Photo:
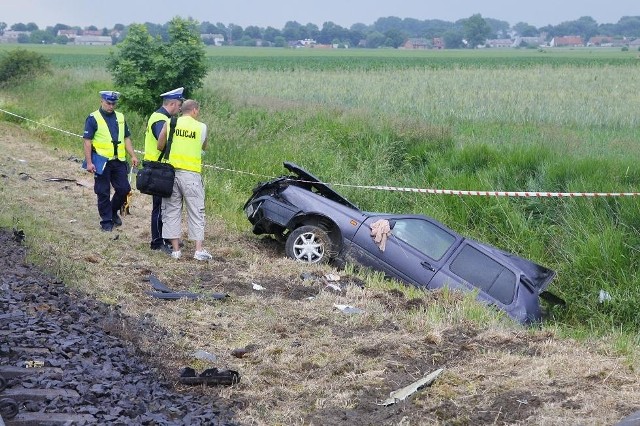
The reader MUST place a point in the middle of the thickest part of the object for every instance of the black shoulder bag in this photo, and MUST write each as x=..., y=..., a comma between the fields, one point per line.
x=155, y=177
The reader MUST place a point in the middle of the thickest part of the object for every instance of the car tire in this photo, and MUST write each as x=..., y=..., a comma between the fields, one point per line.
x=309, y=244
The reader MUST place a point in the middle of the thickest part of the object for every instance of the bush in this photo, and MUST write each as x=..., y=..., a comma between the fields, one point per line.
x=20, y=64
x=145, y=66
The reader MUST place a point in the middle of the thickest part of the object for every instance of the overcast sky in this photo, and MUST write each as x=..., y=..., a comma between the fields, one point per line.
x=276, y=13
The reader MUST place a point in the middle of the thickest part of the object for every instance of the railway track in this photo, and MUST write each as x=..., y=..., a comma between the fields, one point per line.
x=58, y=365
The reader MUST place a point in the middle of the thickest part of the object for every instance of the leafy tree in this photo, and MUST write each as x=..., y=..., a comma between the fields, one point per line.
x=253, y=32
x=395, y=38
x=476, y=30
x=453, y=39
x=118, y=27
x=271, y=34
x=61, y=39
x=31, y=26
x=208, y=28
x=92, y=28
x=19, y=27
x=291, y=31
x=499, y=29
x=375, y=39
x=20, y=64
x=279, y=41
x=23, y=39
x=41, y=37
x=3, y=26
x=525, y=30
x=145, y=66
x=236, y=32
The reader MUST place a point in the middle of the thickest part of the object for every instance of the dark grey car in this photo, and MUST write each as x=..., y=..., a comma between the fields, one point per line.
x=318, y=225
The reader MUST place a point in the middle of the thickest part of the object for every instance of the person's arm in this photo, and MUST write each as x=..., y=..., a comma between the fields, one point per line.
x=128, y=145
x=204, y=137
x=162, y=138
x=90, y=127
x=91, y=168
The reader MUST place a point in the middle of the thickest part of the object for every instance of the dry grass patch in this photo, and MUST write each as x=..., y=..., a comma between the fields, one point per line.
x=306, y=362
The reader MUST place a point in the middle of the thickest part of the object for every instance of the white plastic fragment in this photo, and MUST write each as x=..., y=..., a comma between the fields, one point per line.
x=332, y=277
x=603, y=296
x=402, y=394
x=348, y=309
x=204, y=356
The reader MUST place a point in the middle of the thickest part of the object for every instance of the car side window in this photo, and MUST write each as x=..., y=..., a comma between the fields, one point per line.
x=424, y=236
x=485, y=273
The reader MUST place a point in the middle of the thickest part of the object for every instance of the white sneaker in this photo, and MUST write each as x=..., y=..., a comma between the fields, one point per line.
x=176, y=254
x=202, y=255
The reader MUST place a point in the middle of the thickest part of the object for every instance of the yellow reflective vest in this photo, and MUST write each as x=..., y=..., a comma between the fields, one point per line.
x=186, y=148
x=151, y=152
x=102, y=141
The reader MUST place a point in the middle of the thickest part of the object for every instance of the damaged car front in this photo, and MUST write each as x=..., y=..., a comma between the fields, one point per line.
x=317, y=225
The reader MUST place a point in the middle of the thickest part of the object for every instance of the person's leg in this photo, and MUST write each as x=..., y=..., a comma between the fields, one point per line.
x=102, y=188
x=121, y=188
x=156, y=223
x=171, y=216
x=194, y=203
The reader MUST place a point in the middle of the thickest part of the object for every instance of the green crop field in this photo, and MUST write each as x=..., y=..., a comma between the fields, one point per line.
x=517, y=120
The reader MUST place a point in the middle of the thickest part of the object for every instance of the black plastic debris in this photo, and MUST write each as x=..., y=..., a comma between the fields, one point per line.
x=210, y=377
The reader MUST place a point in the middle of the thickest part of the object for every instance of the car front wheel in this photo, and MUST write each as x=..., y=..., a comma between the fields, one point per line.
x=309, y=244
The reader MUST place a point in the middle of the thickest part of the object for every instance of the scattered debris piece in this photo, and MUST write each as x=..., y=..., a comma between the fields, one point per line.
x=209, y=377
x=185, y=295
x=159, y=286
x=257, y=287
x=334, y=287
x=604, y=296
x=25, y=176
x=204, y=356
x=348, y=309
x=33, y=364
x=332, y=277
x=307, y=276
x=56, y=179
x=402, y=394
x=18, y=235
x=165, y=293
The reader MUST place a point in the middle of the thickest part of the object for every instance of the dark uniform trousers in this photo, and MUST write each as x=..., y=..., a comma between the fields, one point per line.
x=114, y=174
x=156, y=223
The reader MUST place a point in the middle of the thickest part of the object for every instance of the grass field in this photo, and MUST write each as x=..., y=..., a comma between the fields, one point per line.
x=518, y=120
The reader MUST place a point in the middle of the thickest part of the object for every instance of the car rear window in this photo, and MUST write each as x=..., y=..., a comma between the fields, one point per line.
x=485, y=273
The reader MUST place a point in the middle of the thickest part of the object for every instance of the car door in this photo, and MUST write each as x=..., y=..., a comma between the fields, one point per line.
x=414, y=251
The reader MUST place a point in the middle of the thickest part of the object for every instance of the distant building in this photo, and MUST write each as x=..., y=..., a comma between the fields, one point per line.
x=416, y=43
x=85, y=40
x=438, y=43
x=602, y=41
x=11, y=36
x=213, y=39
x=499, y=42
x=567, y=41
x=529, y=41
x=70, y=34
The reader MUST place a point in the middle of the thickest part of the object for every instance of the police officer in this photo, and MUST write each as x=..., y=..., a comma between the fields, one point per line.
x=189, y=139
x=171, y=102
x=107, y=140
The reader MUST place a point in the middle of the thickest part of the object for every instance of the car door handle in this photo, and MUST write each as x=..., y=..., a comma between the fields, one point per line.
x=427, y=265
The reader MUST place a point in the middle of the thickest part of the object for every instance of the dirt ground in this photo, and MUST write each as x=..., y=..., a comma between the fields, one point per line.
x=301, y=360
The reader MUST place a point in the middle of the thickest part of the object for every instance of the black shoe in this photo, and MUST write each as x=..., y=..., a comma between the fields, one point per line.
x=116, y=219
x=107, y=227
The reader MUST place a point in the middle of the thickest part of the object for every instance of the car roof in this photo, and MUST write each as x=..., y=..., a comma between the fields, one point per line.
x=319, y=187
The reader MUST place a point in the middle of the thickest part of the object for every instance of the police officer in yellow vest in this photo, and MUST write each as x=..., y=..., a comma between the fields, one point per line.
x=185, y=154
x=171, y=102
x=107, y=140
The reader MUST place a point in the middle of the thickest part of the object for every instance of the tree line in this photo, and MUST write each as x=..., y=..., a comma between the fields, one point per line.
x=384, y=32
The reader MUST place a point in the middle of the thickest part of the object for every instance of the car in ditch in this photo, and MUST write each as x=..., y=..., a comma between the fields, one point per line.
x=318, y=225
